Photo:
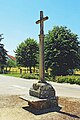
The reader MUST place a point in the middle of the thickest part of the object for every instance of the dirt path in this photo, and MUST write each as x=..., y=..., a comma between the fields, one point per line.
x=13, y=108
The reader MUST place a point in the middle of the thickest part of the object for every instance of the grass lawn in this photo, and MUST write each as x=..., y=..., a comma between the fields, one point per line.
x=13, y=74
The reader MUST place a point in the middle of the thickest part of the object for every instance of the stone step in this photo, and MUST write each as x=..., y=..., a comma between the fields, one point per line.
x=38, y=103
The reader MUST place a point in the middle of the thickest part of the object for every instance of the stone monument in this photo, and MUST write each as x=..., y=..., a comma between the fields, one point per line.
x=41, y=94
x=42, y=89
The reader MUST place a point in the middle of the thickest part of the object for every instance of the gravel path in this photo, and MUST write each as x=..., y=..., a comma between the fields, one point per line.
x=14, y=108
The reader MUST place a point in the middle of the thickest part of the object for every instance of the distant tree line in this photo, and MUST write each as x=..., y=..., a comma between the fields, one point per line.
x=61, y=48
x=61, y=51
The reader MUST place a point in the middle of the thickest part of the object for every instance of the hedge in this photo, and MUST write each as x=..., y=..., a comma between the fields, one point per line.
x=29, y=76
x=68, y=79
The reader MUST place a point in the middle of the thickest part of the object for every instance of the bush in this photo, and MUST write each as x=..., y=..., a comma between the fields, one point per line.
x=68, y=79
x=60, y=79
x=49, y=77
x=29, y=76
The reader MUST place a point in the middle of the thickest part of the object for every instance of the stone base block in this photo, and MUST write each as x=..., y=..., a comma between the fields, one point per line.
x=45, y=104
x=37, y=103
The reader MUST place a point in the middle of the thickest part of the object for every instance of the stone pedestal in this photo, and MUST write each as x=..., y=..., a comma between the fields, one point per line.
x=46, y=94
x=37, y=103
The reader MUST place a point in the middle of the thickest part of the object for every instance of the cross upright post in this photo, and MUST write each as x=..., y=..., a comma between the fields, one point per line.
x=41, y=46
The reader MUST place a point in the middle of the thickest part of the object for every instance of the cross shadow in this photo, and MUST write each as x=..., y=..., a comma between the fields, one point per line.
x=44, y=111
x=68, y=114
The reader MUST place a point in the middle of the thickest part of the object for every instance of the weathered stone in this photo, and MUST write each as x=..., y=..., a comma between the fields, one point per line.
x=42, y=90
x=44, y=104
x=38, y=103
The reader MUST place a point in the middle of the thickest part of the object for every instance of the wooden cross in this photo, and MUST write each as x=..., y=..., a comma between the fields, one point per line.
x=42, y=19
x=41, y=46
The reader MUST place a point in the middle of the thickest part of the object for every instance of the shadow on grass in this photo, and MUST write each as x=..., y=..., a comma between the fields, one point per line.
x=44, y=111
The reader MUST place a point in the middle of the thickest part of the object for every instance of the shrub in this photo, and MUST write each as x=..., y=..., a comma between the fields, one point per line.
x=49, y=77
x=68, y=79
x=60, y=79
x=29, y=76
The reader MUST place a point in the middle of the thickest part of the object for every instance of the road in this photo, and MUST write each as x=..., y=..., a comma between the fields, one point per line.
x=19, y=86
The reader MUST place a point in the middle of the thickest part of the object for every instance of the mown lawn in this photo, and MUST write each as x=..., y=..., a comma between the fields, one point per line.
x=13, y=74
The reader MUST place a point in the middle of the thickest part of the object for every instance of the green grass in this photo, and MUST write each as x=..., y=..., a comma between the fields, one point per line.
x=13, y=74
x=23, y=75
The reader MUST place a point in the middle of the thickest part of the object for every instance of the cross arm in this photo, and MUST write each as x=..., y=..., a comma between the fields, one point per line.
x=45, y=18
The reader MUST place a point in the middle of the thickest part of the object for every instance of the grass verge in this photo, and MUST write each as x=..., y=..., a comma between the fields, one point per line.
x=13, y=74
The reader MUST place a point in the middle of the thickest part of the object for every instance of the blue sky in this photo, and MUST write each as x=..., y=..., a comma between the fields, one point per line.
x=18, y=17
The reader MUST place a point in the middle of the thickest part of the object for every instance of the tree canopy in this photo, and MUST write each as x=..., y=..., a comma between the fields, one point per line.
x=27, y=53
x=3, y=53
x=61, y=50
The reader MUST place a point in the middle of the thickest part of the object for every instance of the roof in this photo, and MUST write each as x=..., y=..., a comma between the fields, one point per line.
x=11, y=57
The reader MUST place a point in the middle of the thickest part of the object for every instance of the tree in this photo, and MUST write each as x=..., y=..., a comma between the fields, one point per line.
x=27, y=53
x=61, y=50
x=79, y=57
x=11, y=63
x=3, y=53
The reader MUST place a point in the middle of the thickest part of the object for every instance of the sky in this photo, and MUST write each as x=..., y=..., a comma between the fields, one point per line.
x=18, y=17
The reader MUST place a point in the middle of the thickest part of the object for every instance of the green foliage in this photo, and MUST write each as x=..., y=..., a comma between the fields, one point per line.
x=29, y=76
x=11, y=63
x=61, y=50
x=79, y=56
x=68, y=79
x=27, y=53
x=72, y=79
x=3, y=53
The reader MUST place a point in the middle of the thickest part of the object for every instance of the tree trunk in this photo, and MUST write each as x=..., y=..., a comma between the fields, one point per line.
x=27, y=69
x=6, y=69
x=34, y=69
x=9, y=69
x=20, y=71
x=30, y=70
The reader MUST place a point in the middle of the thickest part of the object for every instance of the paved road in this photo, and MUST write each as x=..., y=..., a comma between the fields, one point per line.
x=19, y=86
